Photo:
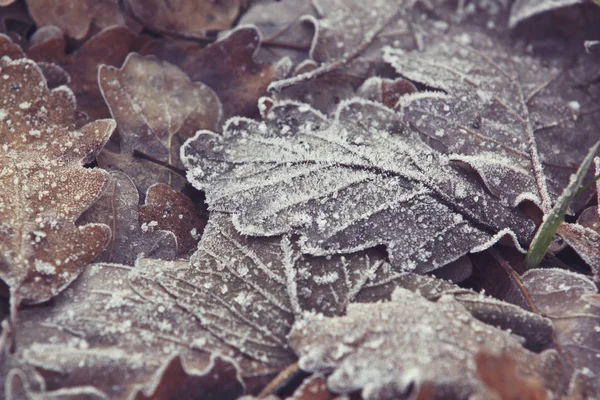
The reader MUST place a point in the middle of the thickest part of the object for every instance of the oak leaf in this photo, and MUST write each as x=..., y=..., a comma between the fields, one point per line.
x=156, y=107
x=45, y=187
x=131, y=238
x=80, y=17
x=228, y=66
x=391, y=349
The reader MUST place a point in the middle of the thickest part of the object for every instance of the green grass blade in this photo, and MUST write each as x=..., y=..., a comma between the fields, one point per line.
x=552, y=220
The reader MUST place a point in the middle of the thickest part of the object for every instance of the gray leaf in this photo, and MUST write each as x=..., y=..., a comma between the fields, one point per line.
x=361, y=179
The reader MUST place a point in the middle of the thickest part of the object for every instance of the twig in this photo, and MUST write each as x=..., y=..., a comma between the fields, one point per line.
x=139, y=154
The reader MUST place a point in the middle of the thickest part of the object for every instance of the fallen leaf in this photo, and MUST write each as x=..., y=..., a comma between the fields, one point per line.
x=500, y=374
x=49, y=45
x=357, y=180
x=247, y=291
x=571, y=301
x=172, y=211
x=80, y=17
x=283, y=25
x=497, y=101
x=227, y=66
x=192, y=18
x=535, y=329
x=45, y=187
x=131, y=238
x=54, y=74
x=124, y=336
x=156, y=108
x=389, y=350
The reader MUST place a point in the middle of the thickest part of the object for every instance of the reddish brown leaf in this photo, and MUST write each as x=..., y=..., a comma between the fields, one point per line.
x=500, y=374
x=156, y=108
x=220, y=380
x=172, y=211
x=117, y=207
x=44, y=185
x=78, y=17
x=185, y=17
x=227, y=66
x=108, y=47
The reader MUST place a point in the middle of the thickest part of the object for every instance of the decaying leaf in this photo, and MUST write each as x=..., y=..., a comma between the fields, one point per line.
x=169, y=210
x=44, y=186
x=389, y=350
x=49, y=45
x=185, y=17
x=125, y=336
x=78, y=17
x=227, y=66
x=360, y=179
x=156, y=108
x=499, y=102
x=131, y=238
x=247, y=291
x=571, y=301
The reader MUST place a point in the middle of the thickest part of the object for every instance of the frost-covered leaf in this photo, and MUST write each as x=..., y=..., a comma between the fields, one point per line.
x=247, y=291
x=131, y=238
x=391, y=349
x=499, y=103
x=55, y=75
x=78, y=17
x=535, y=329
x=44, y=186
x=126, y=337
x=346, y=50
x=346, y=28
x=186, y=17
x=281, y=22
x=156, y=107
x=227, y=66
x=360, y=179
x=49, y=44
x=169, y=210
x=572, y=302
x=525, y=9
x=585, y=242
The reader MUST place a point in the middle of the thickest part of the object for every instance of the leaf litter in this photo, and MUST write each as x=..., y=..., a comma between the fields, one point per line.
x=314, y=218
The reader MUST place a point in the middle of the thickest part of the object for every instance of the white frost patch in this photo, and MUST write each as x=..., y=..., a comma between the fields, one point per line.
x=326, y=279
x=44, y=268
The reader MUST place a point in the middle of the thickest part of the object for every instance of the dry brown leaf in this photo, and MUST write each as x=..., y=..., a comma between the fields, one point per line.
x=156, y=108
x=45, y=187
x=80, y=17
x=49, y=45
x=500, y=374
x=228, y=66
x=117, y=207
x=572, y=302
x=185, y=17
x=127, y=338
x=388, y=350
x=172, y=211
